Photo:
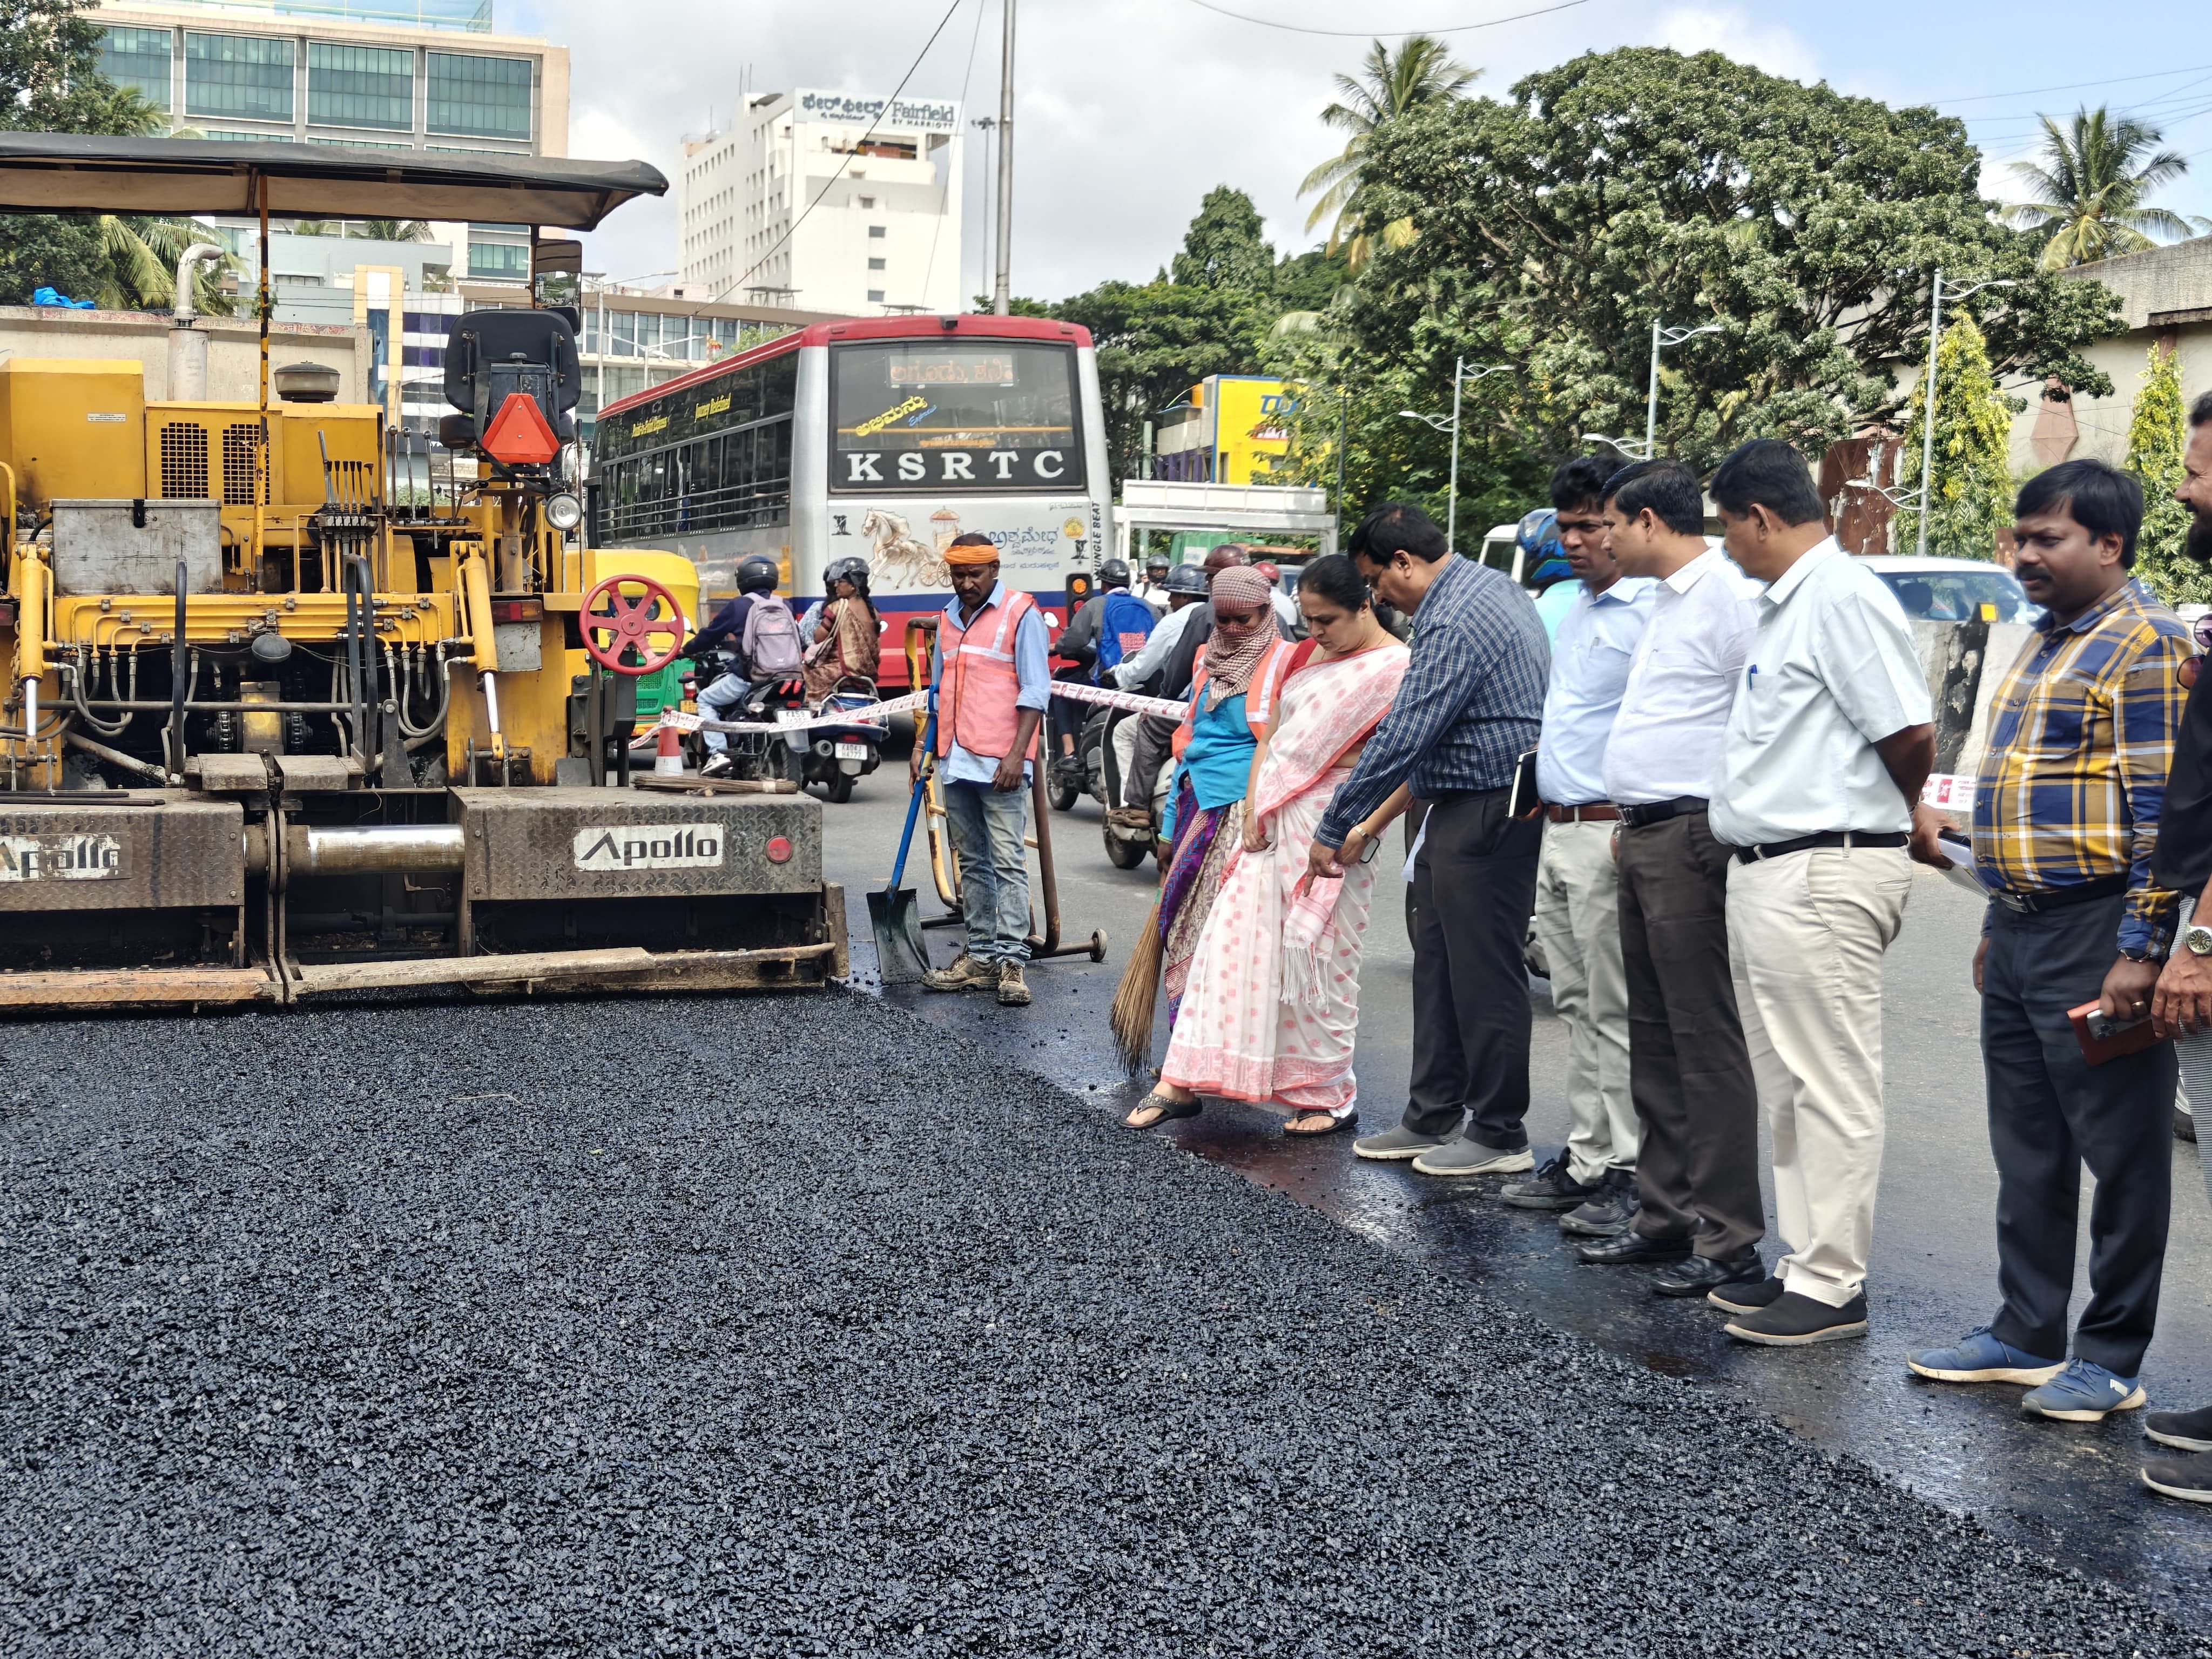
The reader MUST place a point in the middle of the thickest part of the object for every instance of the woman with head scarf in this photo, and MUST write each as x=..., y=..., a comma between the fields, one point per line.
x=846, y=648
x=1238, y=672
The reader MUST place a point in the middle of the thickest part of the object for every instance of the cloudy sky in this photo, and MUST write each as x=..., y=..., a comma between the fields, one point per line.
x=1128, y=111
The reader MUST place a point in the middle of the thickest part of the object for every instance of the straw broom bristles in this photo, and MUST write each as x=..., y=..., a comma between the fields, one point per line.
x=1137, y=995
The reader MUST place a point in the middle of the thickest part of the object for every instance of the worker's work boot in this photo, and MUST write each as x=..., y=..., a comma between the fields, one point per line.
x=1013, y=989
x=963, y=973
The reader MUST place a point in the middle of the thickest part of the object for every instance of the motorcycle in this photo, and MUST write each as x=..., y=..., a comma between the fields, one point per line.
x=838, y=755
x=755, y=755
x=1130, y=835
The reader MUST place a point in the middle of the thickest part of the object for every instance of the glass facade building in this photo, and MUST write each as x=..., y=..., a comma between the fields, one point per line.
x=361, y=87
x=139, y=59
x=471, y=95
x=240, y=77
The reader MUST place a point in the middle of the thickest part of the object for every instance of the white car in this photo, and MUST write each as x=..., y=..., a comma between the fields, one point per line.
x=1953, y=590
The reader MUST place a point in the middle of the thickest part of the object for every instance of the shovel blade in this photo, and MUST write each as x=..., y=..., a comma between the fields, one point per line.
x=901, y=956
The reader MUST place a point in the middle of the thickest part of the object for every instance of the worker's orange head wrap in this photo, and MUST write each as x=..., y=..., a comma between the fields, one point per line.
x=971, y=550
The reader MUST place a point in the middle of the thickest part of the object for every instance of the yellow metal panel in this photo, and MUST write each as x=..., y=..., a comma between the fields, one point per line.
x=353, y=432
x=74, y=427
x=1250, y=427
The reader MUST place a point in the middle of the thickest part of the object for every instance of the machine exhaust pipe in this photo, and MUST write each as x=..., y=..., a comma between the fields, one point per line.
x=188, y=347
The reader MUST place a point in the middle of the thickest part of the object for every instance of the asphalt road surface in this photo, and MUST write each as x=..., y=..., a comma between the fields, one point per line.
x=2067, y=1490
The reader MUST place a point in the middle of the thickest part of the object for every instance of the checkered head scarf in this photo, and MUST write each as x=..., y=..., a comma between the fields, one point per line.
x=1234, y=655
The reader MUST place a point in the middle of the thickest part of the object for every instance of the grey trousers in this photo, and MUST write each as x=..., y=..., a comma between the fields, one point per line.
x=1689, y=1069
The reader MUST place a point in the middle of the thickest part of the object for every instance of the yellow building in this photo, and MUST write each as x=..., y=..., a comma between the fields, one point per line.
x=1230, y=428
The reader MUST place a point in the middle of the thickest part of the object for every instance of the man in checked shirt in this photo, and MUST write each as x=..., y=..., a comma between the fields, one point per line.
x=2066, y=813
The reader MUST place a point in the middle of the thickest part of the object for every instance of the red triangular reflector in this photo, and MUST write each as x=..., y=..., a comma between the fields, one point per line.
x=519, y=434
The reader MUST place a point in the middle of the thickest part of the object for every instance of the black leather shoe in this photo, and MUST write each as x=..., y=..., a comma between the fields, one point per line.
x=1554, y=1187
x=1632, y=1250
x=1701, y=1274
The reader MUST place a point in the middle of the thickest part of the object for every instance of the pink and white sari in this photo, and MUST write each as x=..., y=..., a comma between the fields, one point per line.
x=1273, y=1004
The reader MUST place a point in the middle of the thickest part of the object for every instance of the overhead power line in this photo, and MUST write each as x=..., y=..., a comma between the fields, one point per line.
x=2070, y=86
x=1393, y=34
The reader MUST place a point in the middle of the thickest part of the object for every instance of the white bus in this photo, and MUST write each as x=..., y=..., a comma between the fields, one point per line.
x=883, y=438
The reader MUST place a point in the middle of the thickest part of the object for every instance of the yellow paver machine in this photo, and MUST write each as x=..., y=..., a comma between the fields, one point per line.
x=278, y=726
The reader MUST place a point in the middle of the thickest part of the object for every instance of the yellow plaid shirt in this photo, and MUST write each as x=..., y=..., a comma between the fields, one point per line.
x=2081, y=740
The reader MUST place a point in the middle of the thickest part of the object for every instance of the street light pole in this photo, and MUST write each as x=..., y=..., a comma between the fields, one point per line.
x=1001, y=290
x=1451, y=501
x=1660, y=337
x=1928, y=415
x=1928, y=403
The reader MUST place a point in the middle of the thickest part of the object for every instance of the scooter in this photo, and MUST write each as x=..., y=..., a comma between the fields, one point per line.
x=837, y=756
x=756, y=755
x=1129, y=840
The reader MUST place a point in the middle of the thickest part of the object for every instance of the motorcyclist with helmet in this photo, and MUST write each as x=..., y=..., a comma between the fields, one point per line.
x=1108, y=626
x=719, y=647
x=1544, y=567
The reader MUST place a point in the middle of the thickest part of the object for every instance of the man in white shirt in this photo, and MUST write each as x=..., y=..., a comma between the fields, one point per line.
x=1577, y=919
x=1821, y=767
x=1696, y=1096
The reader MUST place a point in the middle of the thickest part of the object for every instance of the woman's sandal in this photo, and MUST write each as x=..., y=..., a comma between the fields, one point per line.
x=1165, y=1109
x=1331, y=1124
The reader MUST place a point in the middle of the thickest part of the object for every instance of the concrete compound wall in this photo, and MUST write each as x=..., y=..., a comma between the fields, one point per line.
x=234, y=347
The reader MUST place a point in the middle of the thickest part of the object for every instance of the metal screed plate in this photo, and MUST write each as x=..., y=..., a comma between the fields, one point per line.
x=550, y=844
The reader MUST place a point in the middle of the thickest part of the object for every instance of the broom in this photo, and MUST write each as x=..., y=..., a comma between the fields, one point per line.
x=1137, y=995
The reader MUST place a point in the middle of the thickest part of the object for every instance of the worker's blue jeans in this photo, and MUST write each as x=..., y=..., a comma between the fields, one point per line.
x=995, y=869
x=717, y=702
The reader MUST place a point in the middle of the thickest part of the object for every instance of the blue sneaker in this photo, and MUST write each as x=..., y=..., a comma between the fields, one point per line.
x=1981, y=1358
x=2084, y=1393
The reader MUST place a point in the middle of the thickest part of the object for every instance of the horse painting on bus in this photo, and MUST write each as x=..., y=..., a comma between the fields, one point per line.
x=881, y=438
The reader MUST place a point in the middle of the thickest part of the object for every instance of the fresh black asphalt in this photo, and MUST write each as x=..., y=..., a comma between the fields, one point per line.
x=797, y=1326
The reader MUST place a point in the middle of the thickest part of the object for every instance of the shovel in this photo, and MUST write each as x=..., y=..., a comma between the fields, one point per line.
x=896, y=912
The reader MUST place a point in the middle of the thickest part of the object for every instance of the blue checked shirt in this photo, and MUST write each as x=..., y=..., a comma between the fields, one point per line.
x=1470, y=706
x=2081, y=738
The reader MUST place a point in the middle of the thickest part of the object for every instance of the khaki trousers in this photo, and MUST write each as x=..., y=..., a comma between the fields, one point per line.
x=1578, y=925
x=1806, y=937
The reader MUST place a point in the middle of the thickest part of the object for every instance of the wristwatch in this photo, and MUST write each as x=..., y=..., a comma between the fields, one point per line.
x=2198, y=939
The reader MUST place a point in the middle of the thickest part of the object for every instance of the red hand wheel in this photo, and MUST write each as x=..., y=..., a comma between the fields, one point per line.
x=623, y=620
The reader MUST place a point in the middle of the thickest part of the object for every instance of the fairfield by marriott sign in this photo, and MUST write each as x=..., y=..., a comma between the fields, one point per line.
x=898, y=115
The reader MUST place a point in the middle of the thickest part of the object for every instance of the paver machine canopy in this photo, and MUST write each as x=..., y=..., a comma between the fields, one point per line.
x=277, y=725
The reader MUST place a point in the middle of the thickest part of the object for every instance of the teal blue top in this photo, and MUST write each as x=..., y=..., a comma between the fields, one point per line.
x=1218, y=760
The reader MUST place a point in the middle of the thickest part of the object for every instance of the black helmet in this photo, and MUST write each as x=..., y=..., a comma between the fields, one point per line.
x=1114, y=573
x=854, y=570
x=1187, y=579
x=1156, y=562
x=757, y=575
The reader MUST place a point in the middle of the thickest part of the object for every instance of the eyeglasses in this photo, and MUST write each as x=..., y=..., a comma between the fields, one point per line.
x=2201, y=631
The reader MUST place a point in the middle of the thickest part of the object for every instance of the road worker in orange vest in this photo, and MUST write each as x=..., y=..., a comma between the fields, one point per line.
x=991, y=680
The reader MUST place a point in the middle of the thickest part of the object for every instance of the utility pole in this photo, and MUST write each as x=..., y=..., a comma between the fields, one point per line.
x=1928, y=404
x=1661, y=336
x=1001, y=291
x=1451, y=500
x=986, y=125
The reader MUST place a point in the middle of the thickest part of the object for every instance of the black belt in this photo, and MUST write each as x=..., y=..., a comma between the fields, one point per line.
x=1446, y=797
x=2057, y=898
x=1826, y=838
x=1640, y=815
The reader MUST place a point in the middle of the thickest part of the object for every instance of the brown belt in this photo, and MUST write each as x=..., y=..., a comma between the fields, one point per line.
x=1599, y=812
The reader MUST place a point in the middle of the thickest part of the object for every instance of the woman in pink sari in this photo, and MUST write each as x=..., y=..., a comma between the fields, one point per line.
x=1273, y=1003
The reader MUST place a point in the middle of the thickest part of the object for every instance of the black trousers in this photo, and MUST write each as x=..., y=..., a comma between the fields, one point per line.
x=1689, y=1072
x=1064, y=714
x=2051, y=1112
x=1475, y=888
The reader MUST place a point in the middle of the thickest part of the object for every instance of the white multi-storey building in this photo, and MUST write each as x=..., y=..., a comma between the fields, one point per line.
x=884, y=234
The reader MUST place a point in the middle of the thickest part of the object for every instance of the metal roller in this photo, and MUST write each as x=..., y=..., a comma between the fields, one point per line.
x=315, y=850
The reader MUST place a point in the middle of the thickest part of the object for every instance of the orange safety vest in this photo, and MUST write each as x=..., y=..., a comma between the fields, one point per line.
x=1259, y=697
x=979, y=681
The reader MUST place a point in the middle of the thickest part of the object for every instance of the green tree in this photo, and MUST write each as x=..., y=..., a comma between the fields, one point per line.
x=1802, y=222
x=1206, y=314
x=1972, y=497
x=2157, y=435
x=389, y=230
x=2091, y=190
x=1390, y=86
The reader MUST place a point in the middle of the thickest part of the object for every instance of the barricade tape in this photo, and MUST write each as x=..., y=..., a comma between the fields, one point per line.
x=800, y=719
x=795, y=719
x=1170, y=709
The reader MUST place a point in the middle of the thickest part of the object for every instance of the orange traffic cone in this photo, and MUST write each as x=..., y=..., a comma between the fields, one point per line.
x=668, y=754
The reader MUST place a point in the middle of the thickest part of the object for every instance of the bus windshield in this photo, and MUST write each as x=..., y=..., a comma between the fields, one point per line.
x=953, y=415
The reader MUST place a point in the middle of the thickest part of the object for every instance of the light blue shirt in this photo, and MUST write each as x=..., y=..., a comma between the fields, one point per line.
x=1553, y=604
x=1032, y=668
x=1590, y=656
x=1218, y=760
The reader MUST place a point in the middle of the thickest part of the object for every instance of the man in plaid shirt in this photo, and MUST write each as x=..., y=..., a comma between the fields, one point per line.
x=2066, y=814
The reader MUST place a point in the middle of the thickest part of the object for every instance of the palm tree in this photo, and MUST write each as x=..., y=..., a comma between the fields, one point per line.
x=390, y=230
x=139, y=254
x=2090, y=188
x=1389, y=87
